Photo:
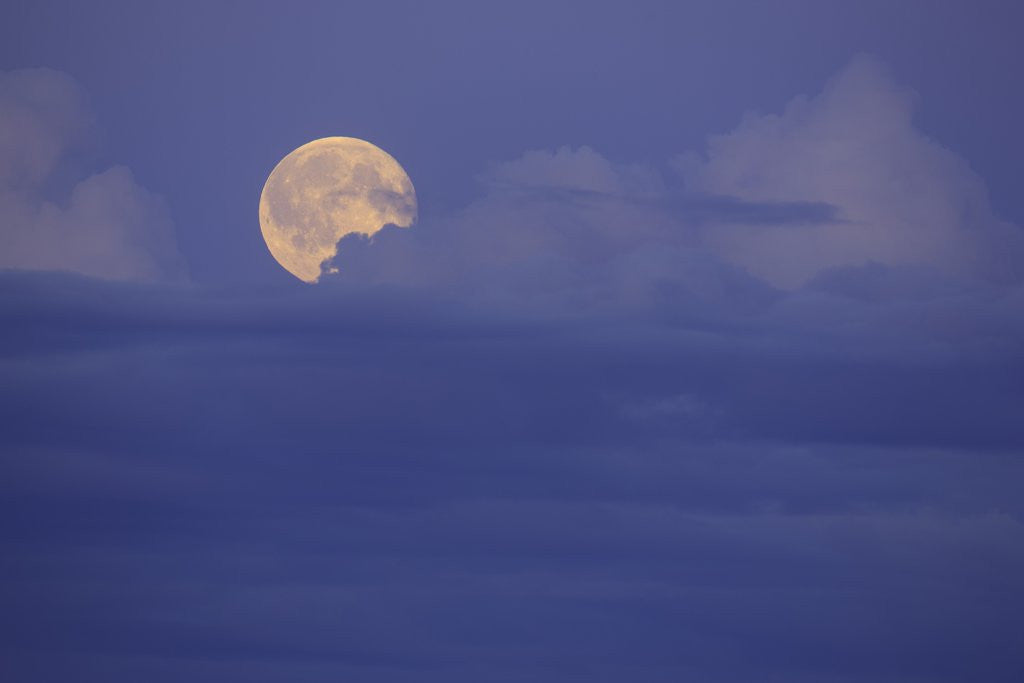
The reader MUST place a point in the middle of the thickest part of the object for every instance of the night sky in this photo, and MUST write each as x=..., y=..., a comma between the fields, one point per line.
x=704, y=361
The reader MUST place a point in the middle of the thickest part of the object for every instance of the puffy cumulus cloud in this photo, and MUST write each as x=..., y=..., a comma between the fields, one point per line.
x=567, y=230
x=841, y=180
x=902, y=198
x=581, y=169
x=107, y=226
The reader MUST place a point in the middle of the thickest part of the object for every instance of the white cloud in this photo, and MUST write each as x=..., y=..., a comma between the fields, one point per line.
x=107, y=227
x=574, y=169
x=842, y=180
x=903, y=199
x=564, y=228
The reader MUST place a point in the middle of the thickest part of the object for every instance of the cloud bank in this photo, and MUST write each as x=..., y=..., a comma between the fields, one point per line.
x=105, y=225
x=221, y=487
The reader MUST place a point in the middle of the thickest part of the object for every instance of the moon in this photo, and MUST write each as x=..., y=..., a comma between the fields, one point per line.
x=325, y=190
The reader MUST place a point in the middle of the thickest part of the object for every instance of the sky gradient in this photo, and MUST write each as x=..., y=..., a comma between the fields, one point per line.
x=704, y=361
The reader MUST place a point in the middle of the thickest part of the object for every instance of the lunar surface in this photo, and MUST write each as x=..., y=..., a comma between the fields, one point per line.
x=325, y=190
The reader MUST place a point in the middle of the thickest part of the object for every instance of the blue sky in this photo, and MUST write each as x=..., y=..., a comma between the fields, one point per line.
x=703, y=361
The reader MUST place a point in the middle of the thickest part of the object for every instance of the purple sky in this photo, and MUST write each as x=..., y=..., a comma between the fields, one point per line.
x=703, y=362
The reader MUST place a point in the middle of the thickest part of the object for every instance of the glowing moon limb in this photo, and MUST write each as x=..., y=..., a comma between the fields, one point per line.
x=325, y=190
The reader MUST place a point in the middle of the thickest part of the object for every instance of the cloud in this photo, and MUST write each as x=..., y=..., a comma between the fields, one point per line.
x=563, y=231
x=842, y=180
x=105, y=226
x=558, y=435
x=580, y=169
x=215, y=485
x=902, y=198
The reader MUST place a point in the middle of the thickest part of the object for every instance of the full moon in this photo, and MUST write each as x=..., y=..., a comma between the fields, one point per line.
x=325, y=190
